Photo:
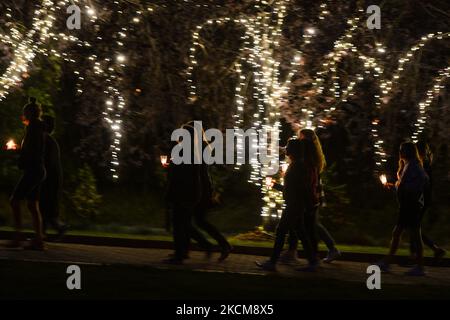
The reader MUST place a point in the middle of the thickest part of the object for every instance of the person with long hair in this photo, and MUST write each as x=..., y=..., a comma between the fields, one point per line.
x=299, y=193
x=323, y=233
x=426, y=156
x=31, y=162
x=411, y=184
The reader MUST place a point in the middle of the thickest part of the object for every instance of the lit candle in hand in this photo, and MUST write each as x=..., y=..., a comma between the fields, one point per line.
x=164, y=161
x=284, y=167
x=11, y=145
x=269, y=182
x=383, y=179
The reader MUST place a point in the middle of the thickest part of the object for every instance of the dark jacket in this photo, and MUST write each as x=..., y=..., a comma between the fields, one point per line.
x=52, y=161
x=428, y=187
x=184, y=185
x=412, y=184
x=301, y=186
x=33, y=147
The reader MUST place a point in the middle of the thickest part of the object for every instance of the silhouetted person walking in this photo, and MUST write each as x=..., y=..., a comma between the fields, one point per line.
x=322, y=232
x=201, y=210
x=200, y=216
x=427, y=159
x=31, y=161
x=411, y=184
x=184, y=193
x=49, y=203
x=299, y=195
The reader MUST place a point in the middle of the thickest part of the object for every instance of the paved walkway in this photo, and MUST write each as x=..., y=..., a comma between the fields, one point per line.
x=236, y=263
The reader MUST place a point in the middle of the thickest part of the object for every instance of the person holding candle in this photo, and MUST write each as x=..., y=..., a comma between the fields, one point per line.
x=185, y=197
x=411, y=185
x=300, y=194
x=11, y=145
x=182, y=196
x=31, y=161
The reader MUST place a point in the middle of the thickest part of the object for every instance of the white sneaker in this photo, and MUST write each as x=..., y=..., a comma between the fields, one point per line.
x=332, y=255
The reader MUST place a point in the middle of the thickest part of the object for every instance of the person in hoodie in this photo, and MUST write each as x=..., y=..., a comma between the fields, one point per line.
x=52, y=185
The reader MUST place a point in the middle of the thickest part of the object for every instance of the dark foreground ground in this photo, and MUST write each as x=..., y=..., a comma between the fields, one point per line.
x=131, y=273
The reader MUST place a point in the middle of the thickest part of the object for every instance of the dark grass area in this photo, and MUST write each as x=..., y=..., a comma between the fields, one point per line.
x=33, y=280
x=141, y=214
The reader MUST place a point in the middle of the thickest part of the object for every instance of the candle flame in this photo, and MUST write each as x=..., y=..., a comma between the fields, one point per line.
x=383, y=179
x=163, y=160
x=11, y=145
x=269, y=182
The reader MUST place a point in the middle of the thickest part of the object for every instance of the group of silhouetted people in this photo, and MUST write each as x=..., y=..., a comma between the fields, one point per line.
x=40, y=184
x=414, y=189
x=190, y=192
x=189, y=196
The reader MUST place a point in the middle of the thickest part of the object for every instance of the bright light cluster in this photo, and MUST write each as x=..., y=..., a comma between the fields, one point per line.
x=26, y=47
x=262, y=36
x=438, y=82
x=263, y=33
x=372, y=67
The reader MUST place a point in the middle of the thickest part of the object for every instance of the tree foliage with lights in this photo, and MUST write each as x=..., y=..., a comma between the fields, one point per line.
x=135, y=71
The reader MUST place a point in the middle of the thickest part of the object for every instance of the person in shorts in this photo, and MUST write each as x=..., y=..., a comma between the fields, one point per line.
x=31, y=162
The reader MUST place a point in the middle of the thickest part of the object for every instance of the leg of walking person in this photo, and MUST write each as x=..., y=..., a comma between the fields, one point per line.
x=414, y=228
x=181, y=224
x=293, y=241
x=44, y=208
x=19, y=194
x=426, y=241
x=280, y=234
x=311, y=230
x=201, y=240
x=201, y=221
x=395, y=241
x=33, y=207
x=291, y=254
x=306, y=243
x=17, y=216
x=325, y=236
x=384, y=264
x=438, y=252
x=283, y=228
x=416, y=238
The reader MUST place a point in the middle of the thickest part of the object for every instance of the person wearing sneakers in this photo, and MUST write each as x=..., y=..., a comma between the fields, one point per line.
x=411, y=185
x=298, y=193
x=322, y=232
x=31, y=161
